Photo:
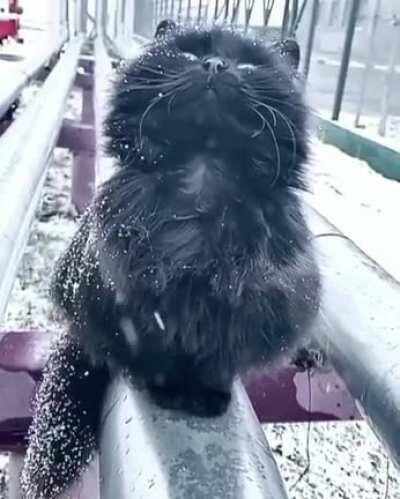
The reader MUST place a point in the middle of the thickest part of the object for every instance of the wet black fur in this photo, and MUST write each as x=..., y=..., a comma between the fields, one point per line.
x=194, y=263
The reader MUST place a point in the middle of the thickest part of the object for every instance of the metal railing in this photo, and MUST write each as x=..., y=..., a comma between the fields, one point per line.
x=351, y=50
x=22, y=170
x=16, y=81
x=26, y=151
x=358, y=328
x=176, y=456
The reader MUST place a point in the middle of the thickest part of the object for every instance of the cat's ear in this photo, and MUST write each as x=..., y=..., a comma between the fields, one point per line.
x=289, y=50
x=164, y=28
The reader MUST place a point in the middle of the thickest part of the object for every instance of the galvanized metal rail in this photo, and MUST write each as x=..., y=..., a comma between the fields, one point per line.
x=159, y=454
x=359, y=330
x=25, y=149
x=12, y=86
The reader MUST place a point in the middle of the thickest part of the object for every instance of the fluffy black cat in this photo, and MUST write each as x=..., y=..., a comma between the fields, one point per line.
x=194, y=263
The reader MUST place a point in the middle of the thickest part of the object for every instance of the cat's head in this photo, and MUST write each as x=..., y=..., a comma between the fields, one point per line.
x=199, y=90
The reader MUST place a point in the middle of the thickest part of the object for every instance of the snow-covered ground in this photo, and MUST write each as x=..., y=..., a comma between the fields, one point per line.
x=346, y=461
x=359, y=202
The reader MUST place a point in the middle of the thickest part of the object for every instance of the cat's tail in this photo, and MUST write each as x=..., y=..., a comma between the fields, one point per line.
x=64, y=431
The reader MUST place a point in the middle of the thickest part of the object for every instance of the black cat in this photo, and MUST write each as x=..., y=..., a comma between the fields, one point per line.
x=194, y=263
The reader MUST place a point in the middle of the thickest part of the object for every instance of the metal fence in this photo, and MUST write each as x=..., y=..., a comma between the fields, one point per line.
x=350, y=48
x=353, y=70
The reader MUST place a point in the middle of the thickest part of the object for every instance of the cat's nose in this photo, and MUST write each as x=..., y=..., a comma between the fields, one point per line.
x=215, y=65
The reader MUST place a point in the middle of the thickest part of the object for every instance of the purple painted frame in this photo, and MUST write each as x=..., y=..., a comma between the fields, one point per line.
x=79, y=137
x=277, y=395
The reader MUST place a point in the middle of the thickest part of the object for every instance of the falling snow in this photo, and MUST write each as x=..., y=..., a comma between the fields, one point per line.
x=159, y=320
x=346, y=459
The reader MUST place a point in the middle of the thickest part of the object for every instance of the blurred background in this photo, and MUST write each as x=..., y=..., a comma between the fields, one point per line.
x=368, y=98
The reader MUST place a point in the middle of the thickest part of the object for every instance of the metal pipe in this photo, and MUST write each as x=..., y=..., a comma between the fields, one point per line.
x=117, y=6
x=67, y=18
x=344, y=65
x=293, y=17
x=84, y=16
x=180, y=7
x=248, y=10
x=200, y=8
x=143, y=18
x=285, y=20
x=359, y=330
x=268, y=6
x=101, y=18
x=370, y=60
x=155, y=453
x=77, y=17
x=23, y=169
x=226, y=7
x=122, y=15
x=390, y=76
x=206, y=10
x=102, y=74
x=216, y=10
x=128, y=21
x=235, y=11
x=11, y=87
x=300, y=16
x=311, y=37
x=161, y=10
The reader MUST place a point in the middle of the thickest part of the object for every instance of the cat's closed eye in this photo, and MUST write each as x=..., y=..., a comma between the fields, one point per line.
x=190, y=56
x=246, y=66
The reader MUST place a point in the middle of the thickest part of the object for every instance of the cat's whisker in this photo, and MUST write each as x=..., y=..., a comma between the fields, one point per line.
x=161, y=86
x=142, y=83
x=152, y=104
x=172, y=98
x=270, y=109
x=256, y=102
x=275, y=141
x=290, y=125
x=263, y=120
x=291, y=129
x=179, y=85
x=283, y=102
x=157, y=71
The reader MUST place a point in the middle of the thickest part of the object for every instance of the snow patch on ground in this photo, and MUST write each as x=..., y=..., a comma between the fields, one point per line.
x=360, y=202
x=29, y=303
x=346, y=461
